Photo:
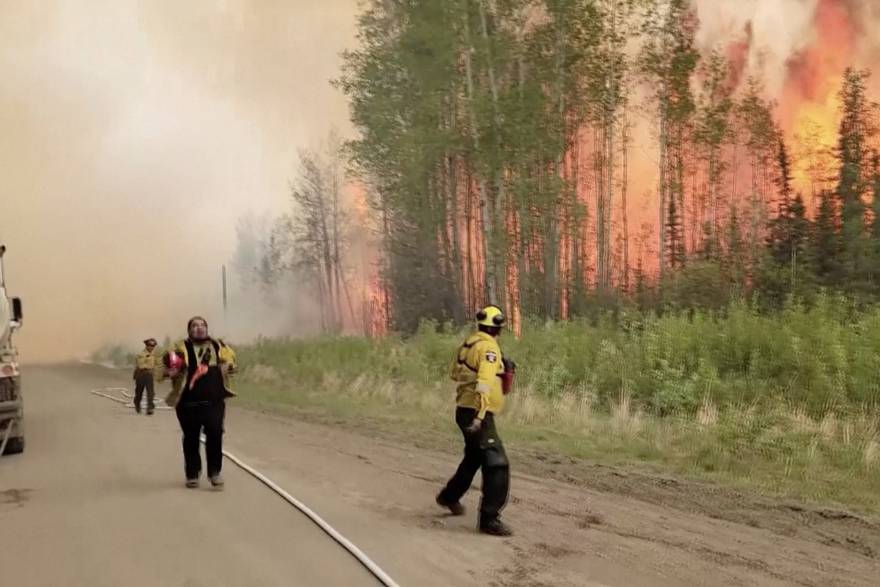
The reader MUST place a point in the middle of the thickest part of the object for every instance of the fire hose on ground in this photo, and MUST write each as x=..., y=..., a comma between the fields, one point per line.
x=6, y=436
x=126, y=401
x=357, y=553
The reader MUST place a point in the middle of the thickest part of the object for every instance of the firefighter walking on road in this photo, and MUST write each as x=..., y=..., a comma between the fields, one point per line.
x=200, y=369
x=144, y=370
x=483, y=378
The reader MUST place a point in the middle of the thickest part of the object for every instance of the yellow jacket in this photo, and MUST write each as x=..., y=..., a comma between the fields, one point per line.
x=145, y=361
x=227, y=362
x=476, y=367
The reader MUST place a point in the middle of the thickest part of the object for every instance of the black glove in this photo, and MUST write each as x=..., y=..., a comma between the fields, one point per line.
x=509, y=365
x=474, y=428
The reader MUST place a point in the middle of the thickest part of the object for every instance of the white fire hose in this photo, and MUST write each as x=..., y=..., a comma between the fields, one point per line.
x=369, y=564
x=126, y=401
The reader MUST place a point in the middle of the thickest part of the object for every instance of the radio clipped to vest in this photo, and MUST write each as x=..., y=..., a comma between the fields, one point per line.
x=507, y=376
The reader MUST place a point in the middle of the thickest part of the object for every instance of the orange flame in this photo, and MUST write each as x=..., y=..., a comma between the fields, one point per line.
x=809, y=106
x=368, y=282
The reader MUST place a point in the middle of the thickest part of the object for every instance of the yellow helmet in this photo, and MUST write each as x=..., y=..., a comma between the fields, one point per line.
x=491, y=316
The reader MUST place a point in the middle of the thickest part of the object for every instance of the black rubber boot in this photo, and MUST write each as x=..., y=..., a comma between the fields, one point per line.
x=496, y=528
x=456, y=509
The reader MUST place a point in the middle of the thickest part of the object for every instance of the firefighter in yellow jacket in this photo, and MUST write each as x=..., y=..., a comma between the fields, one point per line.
x=200, y=369
x=144, y=370
x=478, y=368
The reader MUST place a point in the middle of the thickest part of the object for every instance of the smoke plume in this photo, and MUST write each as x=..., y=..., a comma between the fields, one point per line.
x=799, y=49
x=135, y=134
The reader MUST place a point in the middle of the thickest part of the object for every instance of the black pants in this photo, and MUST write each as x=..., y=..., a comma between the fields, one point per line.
x=144, y=381
x=193, y=419
x=482, y=450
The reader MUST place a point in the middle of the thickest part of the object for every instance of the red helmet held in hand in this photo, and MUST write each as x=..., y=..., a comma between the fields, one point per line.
x=173, y=361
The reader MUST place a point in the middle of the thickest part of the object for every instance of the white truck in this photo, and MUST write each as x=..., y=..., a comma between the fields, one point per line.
x=11, y=407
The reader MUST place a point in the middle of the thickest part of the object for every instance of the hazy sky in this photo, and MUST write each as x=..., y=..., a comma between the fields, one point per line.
x=133, y=134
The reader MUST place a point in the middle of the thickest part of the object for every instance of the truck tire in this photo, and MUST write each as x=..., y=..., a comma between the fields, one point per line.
x=14, y=446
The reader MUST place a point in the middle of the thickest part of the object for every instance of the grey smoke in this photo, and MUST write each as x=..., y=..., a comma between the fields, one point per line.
x=135, y=134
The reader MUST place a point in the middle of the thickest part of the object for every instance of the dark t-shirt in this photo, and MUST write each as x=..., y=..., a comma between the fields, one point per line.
x=208, y=388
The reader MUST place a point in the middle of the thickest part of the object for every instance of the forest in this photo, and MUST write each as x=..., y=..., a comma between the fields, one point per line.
x=565, y=158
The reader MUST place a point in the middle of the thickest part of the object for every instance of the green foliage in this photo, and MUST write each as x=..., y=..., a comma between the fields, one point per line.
x=819, y=359
x=115, y=355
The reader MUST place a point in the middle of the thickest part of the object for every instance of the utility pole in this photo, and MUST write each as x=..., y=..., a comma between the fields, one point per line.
x=224, y=292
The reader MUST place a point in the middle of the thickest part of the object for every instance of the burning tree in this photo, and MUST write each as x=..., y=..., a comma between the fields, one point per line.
x=312, y=239
x=496, y=138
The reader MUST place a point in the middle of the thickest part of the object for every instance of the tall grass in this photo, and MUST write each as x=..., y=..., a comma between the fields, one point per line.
x=823, y=359
x=787, y=403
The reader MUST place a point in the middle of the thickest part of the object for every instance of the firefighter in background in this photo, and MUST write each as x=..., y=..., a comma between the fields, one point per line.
x=200, y=369
x=145, y=367
x=484, y=378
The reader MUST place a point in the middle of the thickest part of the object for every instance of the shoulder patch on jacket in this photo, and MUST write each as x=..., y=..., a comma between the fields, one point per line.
x=491, y=356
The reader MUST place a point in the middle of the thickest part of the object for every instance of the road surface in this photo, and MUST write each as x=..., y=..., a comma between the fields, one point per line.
x=97, y=499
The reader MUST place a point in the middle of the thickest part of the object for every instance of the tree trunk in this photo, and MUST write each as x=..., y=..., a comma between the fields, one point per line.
x=498, y=197
x=489, y=274
x=753, y=237
x=337, y=228
x=623, y=202
x=553, y=302
x=326, y=255
x=469, y=240
x=714, y=178
x=611, y=108
x=322, y=302
x=386, y=243
x=599, y=166
x=734, y=189
x=664, y=154
x=453, y=196
x=680, y=164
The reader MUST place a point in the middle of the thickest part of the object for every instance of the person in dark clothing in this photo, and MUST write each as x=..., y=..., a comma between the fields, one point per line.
x=200, y=388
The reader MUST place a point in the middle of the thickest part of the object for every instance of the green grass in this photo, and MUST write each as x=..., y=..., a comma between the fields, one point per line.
x=116, y=355
x=785, y=404
x=782, y=454
x=826, y=358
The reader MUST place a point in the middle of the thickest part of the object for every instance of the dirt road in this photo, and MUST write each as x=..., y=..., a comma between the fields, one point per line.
x=100, y=488
x=97, y=499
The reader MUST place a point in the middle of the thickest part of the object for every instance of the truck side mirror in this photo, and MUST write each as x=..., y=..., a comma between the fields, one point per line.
x=17, y=311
